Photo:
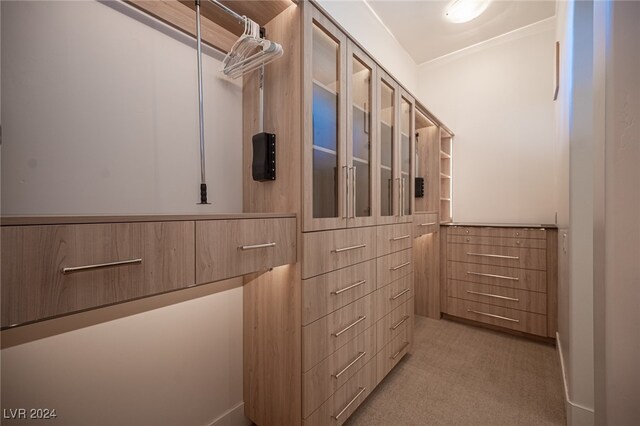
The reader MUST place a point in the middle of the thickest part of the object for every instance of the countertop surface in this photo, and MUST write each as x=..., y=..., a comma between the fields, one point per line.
x=502, y=225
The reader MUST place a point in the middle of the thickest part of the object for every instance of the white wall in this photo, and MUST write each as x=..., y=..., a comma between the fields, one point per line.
x=100, y=115
x=362, y=24
x=497, y=99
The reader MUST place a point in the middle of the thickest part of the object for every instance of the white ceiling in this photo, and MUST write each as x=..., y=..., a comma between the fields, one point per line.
x=422, y=29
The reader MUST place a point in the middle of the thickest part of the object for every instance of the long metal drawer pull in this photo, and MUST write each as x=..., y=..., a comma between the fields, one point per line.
x=493, y=295
x=353, y=324
x=395, y=268
x=342, y=290
x=394, y=356
x=500, y=256
x=428, y=224
x=493, y=316
x=404, y=318
x=341, y=372
x=349, y=248
x=346, y=407
x=73, y=269
x=406, y=290
x=493, y=276
x=404, y=237
x=257, y=246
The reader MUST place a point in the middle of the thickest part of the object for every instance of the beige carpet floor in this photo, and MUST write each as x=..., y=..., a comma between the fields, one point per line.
x=463, y=375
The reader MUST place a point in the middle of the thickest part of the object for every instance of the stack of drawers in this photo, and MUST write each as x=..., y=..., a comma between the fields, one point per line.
x=357, y=317
x=499, y=276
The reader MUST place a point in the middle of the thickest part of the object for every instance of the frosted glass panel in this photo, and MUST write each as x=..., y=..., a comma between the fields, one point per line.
x=387, y=117
x=361, y=109
x=405, y=153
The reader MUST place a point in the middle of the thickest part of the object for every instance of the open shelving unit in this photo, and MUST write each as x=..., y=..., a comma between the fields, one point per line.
x=446, y=184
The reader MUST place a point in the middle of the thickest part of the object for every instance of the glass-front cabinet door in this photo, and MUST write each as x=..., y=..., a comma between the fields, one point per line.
x=361, y=137
x=388, y=176
x=406, y=155
x=326, y=170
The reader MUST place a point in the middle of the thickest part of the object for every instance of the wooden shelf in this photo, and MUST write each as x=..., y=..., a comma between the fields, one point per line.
x=360, y=160
x=325, y=150
x=442, y=175
x=445, y=199
x=325, y=87
x=444, y=155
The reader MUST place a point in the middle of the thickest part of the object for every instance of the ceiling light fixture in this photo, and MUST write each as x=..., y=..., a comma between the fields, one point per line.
x=460, y=11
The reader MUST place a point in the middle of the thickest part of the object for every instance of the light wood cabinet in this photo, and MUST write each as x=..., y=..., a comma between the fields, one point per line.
x=502, y=276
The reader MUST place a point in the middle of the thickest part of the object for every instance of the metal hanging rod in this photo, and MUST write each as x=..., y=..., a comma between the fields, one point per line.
x=224, y=8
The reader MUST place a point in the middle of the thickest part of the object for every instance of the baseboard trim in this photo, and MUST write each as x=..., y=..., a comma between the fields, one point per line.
x=232, y=417
x=576, y=414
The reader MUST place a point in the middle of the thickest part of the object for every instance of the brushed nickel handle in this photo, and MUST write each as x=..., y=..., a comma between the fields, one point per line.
x=346, y=407
x=406, y=290
x=342, y=290
x=350, y=326
x=356, y=359
x=504, y=277
x=71, y=270
x=402, y=188
x=493, y=316
x=428, y=224
x=395, y=268
x=493, y=295
x=353, y=192
x=406, y=317
x=404, y=237
x=257, y=246
x=394, y=356
x=340, y=250
x=346, y=192
x=499, y=256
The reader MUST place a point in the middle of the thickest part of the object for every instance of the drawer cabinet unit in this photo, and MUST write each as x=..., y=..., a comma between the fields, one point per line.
x=394, y=266
x=503, y=276
x=393, y=352
x=52, y=270
x=394, y=323
x=425, y=223
x=394, y=238
x=393, y=295
x=229, y=248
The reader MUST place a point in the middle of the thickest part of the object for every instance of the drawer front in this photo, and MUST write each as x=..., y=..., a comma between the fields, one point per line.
x=323, y=337
x=327, y=292
x=498, y=256
x=509, y=318
x=393, y=352
x=394, y=324
x=324, y=379
x=392, y=238
x=530, y=301
x=425, y=223
x=539, y=233
x=393, y=295
x=498, y=241
x=394, y=266
x=230, y=248
x=327, y=251
x=523, y=279
x=337, y=409
x=110, y=263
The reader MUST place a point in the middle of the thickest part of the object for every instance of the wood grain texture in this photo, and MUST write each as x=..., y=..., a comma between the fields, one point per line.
x=318, y=298
x=387, y=299
x=426, y=270
x=394, y=266
x=318, y=338
x=393, y=238
x=319, y=249
x=319, y=383
x=507, y=232
x=528, y=301
x=498, y=241
x=34, y=287
x=399, y=346
x=365, y=379
x=527, y=279
x=428, y=146
x=218, y=242
x=282, y=115
x=552, y=282
x=272, y=347
x=182, y=17
x=425, y=223
x=527, y=322
x=385, y=331
x=444, y=232
x=526, y=258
